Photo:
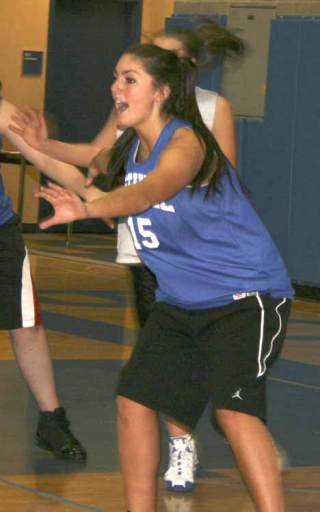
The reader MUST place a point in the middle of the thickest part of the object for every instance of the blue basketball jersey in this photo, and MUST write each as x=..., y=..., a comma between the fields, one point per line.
x=6, y=210
x=204, y=251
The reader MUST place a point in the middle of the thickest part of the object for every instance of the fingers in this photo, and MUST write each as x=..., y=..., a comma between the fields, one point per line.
x=67, y=205
x=47, y=223
x=14, y=128
x=57, y=189
x=47, y=194
x=20, y=118
x=24, y=120
x=20, y=122
x=54, y=193
x=26, y=116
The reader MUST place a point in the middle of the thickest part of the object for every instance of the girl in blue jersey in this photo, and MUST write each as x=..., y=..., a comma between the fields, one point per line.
x=208, y=41
x=223, y=295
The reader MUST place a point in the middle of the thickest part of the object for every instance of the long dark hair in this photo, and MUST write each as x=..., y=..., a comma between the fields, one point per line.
x=166, y=68
x=207, y=41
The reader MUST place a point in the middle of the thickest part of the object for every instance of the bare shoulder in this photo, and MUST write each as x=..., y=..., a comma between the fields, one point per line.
x=185, y=136
x=224, y=107
x=184, y=153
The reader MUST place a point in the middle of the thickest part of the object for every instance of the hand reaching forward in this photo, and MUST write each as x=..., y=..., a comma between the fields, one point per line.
x=31, y=126
x=67, y=205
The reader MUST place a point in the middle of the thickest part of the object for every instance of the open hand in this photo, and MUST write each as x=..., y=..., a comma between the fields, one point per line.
x=31, y=126
x=67, y=205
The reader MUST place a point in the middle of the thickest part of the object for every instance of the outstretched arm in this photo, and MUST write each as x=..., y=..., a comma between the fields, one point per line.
x=31, y=126
x=65, y=174
x=177, y=166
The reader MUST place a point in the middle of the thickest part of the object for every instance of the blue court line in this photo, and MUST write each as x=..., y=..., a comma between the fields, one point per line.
x=296, y=490
x=95, y=293
x=113, y=298
x=51, y=497
x=101, y=331
x=295, y=383
x=293, y=371
x=89, y=293
x=106, y=305
x=314, y=322
x=104, y=331
x=303, y=338
x=228, y=482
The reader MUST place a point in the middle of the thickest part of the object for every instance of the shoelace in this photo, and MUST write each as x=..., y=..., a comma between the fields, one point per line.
x=182, y=459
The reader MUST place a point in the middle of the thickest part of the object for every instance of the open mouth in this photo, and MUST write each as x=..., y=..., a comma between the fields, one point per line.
x=121, y=106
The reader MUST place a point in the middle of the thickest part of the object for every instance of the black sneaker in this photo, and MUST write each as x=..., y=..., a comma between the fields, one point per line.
x=53, y=434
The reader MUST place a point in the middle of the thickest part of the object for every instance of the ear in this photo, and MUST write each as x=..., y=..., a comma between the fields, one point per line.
x=162, y=93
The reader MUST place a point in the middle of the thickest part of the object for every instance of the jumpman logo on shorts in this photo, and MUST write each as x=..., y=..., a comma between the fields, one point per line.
x=237, y=394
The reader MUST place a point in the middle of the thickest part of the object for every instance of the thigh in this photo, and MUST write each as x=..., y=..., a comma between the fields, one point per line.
x=167, y=370
x=241, y=347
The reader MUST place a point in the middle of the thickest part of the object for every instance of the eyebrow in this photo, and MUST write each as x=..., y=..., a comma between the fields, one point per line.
x=126, y=71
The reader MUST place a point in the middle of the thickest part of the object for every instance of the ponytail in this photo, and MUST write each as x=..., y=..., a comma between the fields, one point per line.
x=207, y=41
x=218, y=41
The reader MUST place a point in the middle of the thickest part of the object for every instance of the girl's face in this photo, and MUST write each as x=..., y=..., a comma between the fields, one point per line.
x=170, y=43
x=136, y=98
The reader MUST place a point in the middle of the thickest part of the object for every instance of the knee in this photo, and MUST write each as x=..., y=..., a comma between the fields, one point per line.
x=229, y=419
x=123, y=410
x=129, y=411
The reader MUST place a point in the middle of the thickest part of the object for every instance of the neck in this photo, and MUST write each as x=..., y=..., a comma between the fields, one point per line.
x=148, y=136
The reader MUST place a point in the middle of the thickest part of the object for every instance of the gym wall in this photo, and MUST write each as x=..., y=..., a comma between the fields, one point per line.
x=24, y=25
x=283, y=7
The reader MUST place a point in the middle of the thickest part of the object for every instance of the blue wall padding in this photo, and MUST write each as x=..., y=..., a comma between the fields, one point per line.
x=304, y=240
x=279, y=156
x=267, y=161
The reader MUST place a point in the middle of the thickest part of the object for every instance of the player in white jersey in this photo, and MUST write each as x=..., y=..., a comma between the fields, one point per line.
x=207, y=41
x=223, y=295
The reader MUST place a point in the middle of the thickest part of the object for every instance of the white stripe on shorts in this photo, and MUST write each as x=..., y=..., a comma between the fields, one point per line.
x=262, y=361
x=27, y=295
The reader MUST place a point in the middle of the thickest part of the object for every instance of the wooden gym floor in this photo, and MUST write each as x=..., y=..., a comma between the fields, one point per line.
x=86, y=304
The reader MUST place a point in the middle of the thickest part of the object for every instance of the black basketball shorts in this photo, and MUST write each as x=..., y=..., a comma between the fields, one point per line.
x=185, y=358
x=19, y=304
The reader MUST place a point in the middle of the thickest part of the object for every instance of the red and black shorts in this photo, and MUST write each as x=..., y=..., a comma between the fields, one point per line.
x=19, y=304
